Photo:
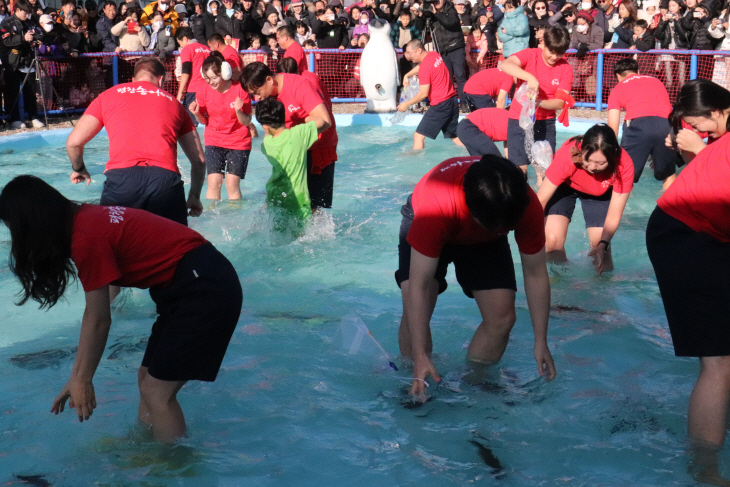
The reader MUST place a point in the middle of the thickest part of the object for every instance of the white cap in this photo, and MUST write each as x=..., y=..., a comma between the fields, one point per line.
x=46, y=22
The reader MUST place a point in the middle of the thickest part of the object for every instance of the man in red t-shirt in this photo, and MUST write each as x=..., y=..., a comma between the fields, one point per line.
x=217, y=43
x=436, y=85
x=287, y=41
x=144, y=125
x=303, y=103
x=488, y=88
x=545, y=71
x=461, y=212
x=481, y=129
x=646, y=124
x=192, y=55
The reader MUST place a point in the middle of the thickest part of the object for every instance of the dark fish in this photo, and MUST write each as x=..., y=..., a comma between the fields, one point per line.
x=127, y=345
x=491, y=460
x=42, y=360
x=35, y=480
x=561, y=308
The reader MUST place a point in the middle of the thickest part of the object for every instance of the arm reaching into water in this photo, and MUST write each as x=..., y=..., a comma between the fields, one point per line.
x=537, y=289
x=86, y=129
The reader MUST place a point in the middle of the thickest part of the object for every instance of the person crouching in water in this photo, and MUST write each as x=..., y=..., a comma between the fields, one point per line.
x=196, y=290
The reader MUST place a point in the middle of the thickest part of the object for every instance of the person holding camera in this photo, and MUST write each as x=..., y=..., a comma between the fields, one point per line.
x=18, y=35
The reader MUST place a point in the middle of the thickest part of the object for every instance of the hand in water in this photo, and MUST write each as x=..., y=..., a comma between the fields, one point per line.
x=422, y=368
x=82, y=398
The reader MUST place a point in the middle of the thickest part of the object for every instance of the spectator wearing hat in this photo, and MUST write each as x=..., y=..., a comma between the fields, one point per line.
x=340, y=13
x=273, y=21
x=170, y=15
x=298, y=13
x=514, y=31
x=610, y=16
x=201, y=22
x=463, y=10
x=586, y=35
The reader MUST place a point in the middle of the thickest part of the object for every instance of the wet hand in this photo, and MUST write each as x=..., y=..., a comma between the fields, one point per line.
x=533, y=84
x=690, y=141
x=194, y=108
x=403, y=107
x=195, y=207
x=81, y=397
x=545, y=364
x=81, y=176
x=598, y=253
x=422, y=368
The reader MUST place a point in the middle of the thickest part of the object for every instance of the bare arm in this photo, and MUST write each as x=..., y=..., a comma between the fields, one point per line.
x=553, y=104
x=86, y=129
x=193, y=149
x=94, y=332
x=614, y=119
x=546, y=191
x=501, y=99
x=613, y=218
x=420, y=96
x=321, y=118
x=513, y=67
x=184, y=78
x=537, y=289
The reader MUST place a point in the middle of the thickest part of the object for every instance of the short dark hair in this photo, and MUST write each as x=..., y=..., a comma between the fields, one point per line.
x=285, y=29
x=601, y=138
x=254, y=76
x=626, y=65
x=287, y=65
x=270, y=111
x=557, y=39
x=216, y=38
x=108, y=3
x=149, y=64
x=24, y=5
x=68, y=2
x=415, y=44
x=641, y=23
x=496, y=192
x=184, y=33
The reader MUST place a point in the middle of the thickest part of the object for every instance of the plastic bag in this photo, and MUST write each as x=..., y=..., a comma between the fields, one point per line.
x=542, y=156
x=526, y=97
x=355, y=338
x=408, y=93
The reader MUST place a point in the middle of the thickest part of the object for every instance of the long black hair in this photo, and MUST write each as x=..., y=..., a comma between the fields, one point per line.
x=40, y=220
x=699, y=98
x=601, y=138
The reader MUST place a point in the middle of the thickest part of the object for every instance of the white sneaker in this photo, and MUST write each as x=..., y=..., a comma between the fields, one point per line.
x=37, y=124
x=18, y=125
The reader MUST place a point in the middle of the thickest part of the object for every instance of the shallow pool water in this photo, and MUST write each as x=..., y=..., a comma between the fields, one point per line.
x=292, y=407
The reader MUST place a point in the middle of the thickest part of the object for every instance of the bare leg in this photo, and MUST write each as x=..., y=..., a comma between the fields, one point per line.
x=556, y=229
x=165, y=413
x=419, y=141
x=668, y=182
x=143, y=413
x=497, y=307
x=114, y=292
x=594, y=236
x=458, y=142
x=233, y=186
x=404, y=335
x=215, y=181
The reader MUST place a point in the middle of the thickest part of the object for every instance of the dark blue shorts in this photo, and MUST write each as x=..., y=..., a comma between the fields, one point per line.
x=476, y=142
x=149, y=188
x=544, y=130
x=187, y=100
x=198, y=313
x=477, y=102
x=443, y=117
x=644, y=136
x=478, y=267
x=221, y=161
x=321, y=186
x=595, y=208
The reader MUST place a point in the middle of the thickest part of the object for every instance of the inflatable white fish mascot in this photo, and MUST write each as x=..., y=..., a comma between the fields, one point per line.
x=379, y=69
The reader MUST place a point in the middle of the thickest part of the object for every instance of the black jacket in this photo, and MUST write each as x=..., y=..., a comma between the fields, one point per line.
x=447, y=29
x=645, y=42
x=697, y=33
x=330, y=36
x=625, y=33
x=104, y=28
x=664, y=36
x=252, y=21
x=16, y=51
x=203, y=26
x=291, y=19
x=228, y=26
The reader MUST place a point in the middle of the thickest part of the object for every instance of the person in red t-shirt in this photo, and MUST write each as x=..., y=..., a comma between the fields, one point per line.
x=230, y=55
x=225, y=110
x=196, y=290
x=304, y=103
x=192, y=55
x=287, y=41
x=488, y=88
x=646, y=124
x=481, y=129
x=436, y=85
x=596, y=170
x=461, y=212
x=688, y=241
x=144, y=125
x=545, y=71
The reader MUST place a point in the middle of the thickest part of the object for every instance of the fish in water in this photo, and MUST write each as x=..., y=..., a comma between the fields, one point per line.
x=35, y=480
x=43, y=359
x=490, y=459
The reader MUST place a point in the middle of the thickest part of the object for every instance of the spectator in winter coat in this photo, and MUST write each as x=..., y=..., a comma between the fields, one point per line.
x=131, y=41
x=538, y=18
x=330, y=32
x=363, y=26
x=201, y=22
x=514, y=31
x=697, y=26
x=623, y=34
x=586, y=32
x=104, y=28
x=643, y=38
x=273, y=21
x=164, y=6
x=162, y=42
x=298, y=13
x=405, y=29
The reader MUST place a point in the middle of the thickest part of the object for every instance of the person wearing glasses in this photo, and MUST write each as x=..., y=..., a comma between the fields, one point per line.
x=538, y=19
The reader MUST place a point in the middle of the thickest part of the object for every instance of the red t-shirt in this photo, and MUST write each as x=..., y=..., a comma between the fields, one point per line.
x=296, y=52
x=299, y=97
x=143, y=123
x=489, y=82
x=328, y=138
x=551, y=79
x=641, y=96
x=491, y=121
x=195, y=53
x=433, y=71
x=563, y=169
x=231, y=56
x=223, y=129
x=441, y=216
x=700, y=196
x=127, y=247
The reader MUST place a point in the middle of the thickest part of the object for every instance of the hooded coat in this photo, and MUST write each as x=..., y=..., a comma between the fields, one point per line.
x=516, y=34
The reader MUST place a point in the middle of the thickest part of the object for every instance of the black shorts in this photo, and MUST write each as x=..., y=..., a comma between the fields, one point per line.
x=595, y=208
x=159, y=191
x=186, y=101
x=443, y=117
x=544, y=130
x=477, y=102
x=693, y=272
x=476, y=142
x=645, y=136
x=478, y=267
x=198, y=313
x=220, y=161
x=321, y=186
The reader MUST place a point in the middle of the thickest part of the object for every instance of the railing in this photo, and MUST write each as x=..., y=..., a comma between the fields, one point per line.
x=593, y=74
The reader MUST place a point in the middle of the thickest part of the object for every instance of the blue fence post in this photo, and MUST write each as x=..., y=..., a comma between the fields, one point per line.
x=115, y=70
x=693, y=67
x=599, y=82
x=311, y=62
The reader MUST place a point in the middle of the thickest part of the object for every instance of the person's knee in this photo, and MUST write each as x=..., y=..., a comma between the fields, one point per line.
x=501, y=321
x=718, y=368
x=154, y=395
x=554, y=242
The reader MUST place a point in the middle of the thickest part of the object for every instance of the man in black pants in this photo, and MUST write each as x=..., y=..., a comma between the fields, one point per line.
x=450, y=43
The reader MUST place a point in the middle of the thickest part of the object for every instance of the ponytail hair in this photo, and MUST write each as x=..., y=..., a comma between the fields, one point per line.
x=699, y=98
x=601, y=138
